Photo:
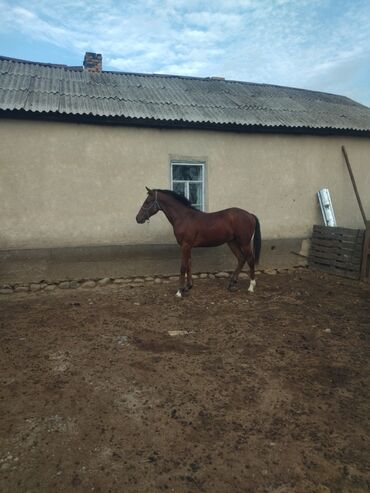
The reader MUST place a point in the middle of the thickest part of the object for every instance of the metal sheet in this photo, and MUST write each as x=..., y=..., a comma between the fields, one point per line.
x=51, y=88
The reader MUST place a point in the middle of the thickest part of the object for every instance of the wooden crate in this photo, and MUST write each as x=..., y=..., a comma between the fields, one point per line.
x=337, y=251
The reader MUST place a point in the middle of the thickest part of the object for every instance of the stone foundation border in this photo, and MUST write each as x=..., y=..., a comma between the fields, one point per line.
x=33, y=287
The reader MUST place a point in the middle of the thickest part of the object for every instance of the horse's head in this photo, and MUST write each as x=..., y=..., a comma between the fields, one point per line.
x=149, y=207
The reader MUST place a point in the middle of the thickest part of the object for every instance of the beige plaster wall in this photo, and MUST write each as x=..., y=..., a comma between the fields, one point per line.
x=66, y=184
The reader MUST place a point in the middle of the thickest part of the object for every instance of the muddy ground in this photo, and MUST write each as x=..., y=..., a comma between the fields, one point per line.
x=263, y=393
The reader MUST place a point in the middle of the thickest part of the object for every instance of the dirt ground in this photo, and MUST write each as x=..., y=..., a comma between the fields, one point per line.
x=263, y=392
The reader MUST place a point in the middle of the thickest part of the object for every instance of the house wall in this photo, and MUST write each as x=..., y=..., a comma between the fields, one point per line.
x=66, y=184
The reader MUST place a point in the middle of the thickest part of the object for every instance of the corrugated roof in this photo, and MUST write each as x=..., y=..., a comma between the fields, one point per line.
x=38, y=88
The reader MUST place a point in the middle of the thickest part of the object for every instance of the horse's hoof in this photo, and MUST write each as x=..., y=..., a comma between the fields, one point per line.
x=232, y=288
x=252, y=285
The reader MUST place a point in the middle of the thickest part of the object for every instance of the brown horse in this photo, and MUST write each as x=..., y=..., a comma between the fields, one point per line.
x=193, y=228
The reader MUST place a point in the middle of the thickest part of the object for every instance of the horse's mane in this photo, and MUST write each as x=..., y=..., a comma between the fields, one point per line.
x=178, y=197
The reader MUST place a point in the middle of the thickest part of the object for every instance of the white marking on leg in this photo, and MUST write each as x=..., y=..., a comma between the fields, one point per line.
x=178, y=294
x=252, y=285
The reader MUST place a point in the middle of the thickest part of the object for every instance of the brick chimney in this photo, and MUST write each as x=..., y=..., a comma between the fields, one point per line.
x=93, y=62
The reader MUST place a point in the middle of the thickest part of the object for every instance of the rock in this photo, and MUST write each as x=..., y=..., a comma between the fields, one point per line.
x=64, y=285
x=271, y=272
x=148, y=279
x=158, y=280
x=6, y=291
x=203, y=275
x=119, y=281
x=50, y=287
x=328, y=331
x=74, y=284
x=138, y=279
x=35, y=286
x=222, y=275
x=211, y=276
x=104, y=282
x=88, y=284
x=178, y=332
x=174, y=278
x=21, y=289
x=122, y=340
x=323, y=489
x=243, y=275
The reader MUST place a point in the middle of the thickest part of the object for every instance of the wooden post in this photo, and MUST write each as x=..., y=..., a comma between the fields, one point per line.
x=366, y=244
x=354, y=185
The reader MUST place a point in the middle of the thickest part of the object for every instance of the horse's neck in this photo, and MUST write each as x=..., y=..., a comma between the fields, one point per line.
x=172, y=208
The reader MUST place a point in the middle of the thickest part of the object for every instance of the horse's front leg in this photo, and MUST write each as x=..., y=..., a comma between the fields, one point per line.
x=185, y=259
x=189, y=283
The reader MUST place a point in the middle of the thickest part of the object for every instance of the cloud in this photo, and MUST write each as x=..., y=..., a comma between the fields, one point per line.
x=310, y=43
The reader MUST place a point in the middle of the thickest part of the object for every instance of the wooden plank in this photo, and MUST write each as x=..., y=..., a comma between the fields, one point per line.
x=338, y=265
x=337, y=229
x=335, y=240
x=337, y=243
x=338, y=247
x=337, y=250
x=332, y=234
x=338, y=260
x=317, y=253
x=330, y=258
x=333, y=230
x=336, y=236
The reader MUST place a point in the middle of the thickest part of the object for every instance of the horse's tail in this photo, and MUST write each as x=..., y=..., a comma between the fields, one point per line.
x=257, y=240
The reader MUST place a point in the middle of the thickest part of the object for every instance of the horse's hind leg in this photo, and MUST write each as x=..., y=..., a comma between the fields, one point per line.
x=251, y=262
x=234, y=247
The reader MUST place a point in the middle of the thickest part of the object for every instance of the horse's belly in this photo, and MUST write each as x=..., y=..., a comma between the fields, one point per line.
x=210, y=244
x=213, y=238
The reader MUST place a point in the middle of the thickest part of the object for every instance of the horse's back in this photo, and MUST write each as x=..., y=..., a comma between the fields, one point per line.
x=238, y=215
x=216, y=228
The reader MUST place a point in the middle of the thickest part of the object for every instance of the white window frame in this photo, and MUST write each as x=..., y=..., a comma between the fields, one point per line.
x=186, y=182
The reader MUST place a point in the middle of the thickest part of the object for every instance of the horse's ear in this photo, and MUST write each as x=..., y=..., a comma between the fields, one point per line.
x=148, y=190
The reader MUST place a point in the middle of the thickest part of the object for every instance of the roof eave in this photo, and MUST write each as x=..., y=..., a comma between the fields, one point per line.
x=180, y=124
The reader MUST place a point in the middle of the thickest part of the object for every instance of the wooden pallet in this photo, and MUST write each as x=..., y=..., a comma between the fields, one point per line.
x=337, y=251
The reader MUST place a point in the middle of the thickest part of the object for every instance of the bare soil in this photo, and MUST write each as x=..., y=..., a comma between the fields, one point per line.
x=263, y=392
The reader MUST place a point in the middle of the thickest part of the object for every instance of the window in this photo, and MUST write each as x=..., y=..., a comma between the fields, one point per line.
x=187, y=178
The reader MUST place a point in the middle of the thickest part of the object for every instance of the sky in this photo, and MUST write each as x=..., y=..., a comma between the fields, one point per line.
x=322, y=45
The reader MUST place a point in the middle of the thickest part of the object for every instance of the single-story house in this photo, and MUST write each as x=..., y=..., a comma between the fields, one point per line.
x=78, y=145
